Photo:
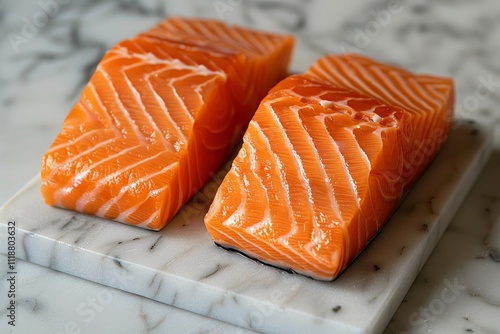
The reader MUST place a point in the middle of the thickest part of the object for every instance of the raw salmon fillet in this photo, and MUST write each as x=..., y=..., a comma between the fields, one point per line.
x=161, y=113
x=325, y=161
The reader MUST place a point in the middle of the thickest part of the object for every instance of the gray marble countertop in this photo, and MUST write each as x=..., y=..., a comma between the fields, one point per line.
x=49, y=48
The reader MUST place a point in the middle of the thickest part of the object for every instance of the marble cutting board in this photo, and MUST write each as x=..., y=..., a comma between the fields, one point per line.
x=181, y=266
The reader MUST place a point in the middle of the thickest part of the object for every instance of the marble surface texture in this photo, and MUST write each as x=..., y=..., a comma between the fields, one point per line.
x=181, y=266
x=48, y=49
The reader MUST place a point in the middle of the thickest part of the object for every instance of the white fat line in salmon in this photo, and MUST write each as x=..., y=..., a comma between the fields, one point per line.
x=283, y=240
x=318, y=234
x=166, y=112
x=304, y=178
x=106, y=206
x=124, y=111
x=174, y=63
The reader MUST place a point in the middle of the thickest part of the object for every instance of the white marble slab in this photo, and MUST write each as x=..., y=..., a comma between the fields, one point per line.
x=53, y=302
x=464, y=257
x=40, y=82
x=181, y=266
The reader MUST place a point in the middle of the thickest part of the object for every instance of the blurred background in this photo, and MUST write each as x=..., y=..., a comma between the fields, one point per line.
x=49, y=49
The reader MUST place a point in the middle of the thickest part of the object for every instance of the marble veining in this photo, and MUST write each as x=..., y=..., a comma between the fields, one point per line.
x=41, y=79
x=92, y=306
x=182, y=267
x=465, y=255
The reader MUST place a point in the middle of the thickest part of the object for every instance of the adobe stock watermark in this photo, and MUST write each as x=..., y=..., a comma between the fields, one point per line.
x=89, y=309
x=221, y=7
x=381, y=19
x=426, y=315
x=487, y=85
x=203, y=197
x=426, y=148
x=257, y=317
x=422, y=152
x=31, y=25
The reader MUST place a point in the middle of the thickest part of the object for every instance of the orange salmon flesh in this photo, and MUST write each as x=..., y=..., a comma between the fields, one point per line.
x=326, y=160
x=161, y=113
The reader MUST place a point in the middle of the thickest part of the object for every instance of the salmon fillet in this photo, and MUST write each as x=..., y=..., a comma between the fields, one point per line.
x=161, y=113
x=326, y=160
